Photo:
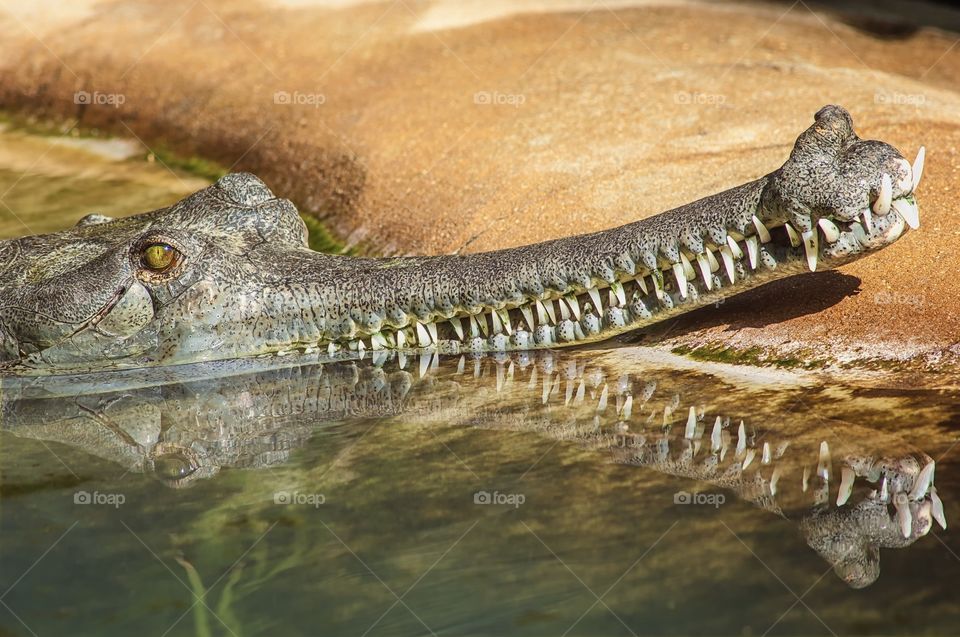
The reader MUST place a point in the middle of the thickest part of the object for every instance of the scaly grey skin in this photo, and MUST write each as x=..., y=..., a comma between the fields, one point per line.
x=863, y=491
x=242, y=282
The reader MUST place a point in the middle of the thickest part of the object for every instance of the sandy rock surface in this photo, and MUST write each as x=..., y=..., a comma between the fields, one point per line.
x=423, y=127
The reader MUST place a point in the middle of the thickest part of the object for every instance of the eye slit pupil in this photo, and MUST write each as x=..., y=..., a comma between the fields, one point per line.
x=158, y=256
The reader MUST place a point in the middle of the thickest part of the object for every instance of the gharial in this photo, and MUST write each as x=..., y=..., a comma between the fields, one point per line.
x=226, y=272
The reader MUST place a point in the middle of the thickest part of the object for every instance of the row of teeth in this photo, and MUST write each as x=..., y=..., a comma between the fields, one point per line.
x=579, y=316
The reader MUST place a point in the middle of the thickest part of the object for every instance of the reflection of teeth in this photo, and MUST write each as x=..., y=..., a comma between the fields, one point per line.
x=761, y=229
x=918, y=166
x=741, y=439
x=937, y=509
x=715, y=437
x=923, y=482
x=691, y=428
x=749, y=458
x=846, y=486
x=882, y=205
x=904, y=518
x=823, y=467
x=774, y=479
x=806, y=479
x=830, y=230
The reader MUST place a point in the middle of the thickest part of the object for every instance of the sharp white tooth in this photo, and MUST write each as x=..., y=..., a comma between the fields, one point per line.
x=627, y=408
x=830, y=230
x=401, y=339
x=681, y=277
x=617, y=288
x=474, y=327
x=595, y=297
x=762, y=231
x=484, y=326
x=528, y=317
x=882, y=205
x=377, y=341
x=751, y=453
x=704, y=266
x=904, y=518
x=765, y=458
x=811, y=245
x=937, y=509
x=432, y=328
x=551, y=311
x=497, y=324
x=712, y=260
x=728, y=263
x=564, y=310
x=846, y=485
x=505, y=320
x=574, y=305
x=918, y=166
x=423, y=337
x=884, y=490
x=457, y=327
x=687, y=267
x=793, y=234
x=868, y=219
x=734, y=248
x=657, y=277
x=641, y=281
x=691, y=427
x=331, y=348
x=741, y=439
x=715, y=438
x=908, y=211
x=602, y=404
x=923, y=482
x=753, y=251
x=361, y=347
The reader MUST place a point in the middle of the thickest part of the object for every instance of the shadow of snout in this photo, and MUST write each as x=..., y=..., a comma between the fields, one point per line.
x=772, y=303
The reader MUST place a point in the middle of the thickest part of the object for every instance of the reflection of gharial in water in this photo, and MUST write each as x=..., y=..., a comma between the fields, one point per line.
x=226, y=273
x=184, y=430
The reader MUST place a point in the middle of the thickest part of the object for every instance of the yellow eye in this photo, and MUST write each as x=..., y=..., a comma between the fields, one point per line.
x=159, y=257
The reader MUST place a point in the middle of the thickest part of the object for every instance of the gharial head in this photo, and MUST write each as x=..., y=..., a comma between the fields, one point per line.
x=226, y=272
x=146, y=288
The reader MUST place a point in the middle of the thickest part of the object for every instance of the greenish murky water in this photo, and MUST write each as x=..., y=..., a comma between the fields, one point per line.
x=559, y=494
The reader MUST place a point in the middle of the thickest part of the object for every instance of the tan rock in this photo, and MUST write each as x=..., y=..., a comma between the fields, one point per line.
x=418, y=127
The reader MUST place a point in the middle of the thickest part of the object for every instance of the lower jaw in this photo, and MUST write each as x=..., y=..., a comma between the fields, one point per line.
x=629, y=303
